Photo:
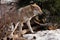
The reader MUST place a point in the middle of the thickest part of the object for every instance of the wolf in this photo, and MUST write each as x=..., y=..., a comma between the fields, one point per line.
x=26, y=14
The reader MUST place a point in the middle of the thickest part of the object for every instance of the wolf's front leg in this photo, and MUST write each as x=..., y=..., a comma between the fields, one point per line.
x=29, y=26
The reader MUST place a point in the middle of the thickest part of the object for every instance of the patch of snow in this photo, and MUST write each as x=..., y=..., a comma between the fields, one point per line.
x=44, y=35
x=7, y=1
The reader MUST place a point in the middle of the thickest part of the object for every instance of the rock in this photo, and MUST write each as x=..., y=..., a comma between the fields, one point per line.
x=44, y=35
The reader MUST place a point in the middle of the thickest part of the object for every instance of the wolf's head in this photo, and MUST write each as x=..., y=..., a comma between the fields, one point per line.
x=36, y=9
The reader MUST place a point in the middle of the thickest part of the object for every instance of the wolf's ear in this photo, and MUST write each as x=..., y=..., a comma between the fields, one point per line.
x=33, y=4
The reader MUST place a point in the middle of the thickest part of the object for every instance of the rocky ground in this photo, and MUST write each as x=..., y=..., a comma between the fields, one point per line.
x=44, y=35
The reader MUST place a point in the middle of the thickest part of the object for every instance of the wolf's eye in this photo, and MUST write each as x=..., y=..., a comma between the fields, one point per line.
x=36, y=8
